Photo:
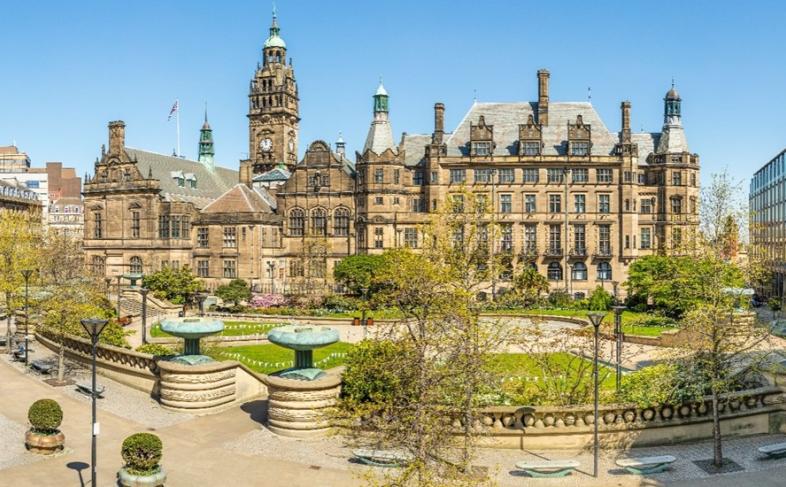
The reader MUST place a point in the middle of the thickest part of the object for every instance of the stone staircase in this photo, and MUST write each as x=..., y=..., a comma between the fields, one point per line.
x=131, y=304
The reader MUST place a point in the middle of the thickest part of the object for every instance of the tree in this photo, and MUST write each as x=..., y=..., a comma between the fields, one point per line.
x=236, y=291
x=528, y=286
x=600, y=299
x=356, y=272
x=433, y=381
x=20, y=234
x=174, y=285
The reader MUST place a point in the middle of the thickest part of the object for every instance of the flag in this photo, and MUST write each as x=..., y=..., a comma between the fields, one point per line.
x=175, y=109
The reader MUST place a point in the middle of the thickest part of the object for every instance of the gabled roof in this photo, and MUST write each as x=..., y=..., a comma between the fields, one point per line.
x=239, y=199
x=210, y=184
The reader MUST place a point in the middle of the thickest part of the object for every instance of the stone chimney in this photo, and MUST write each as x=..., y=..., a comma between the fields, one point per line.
x=439, y=123
x=543, y=96
x=625, y=108
x=117, y=137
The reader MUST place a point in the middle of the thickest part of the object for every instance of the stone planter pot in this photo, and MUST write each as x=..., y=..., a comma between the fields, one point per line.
x=44, y=444
x=127, y=479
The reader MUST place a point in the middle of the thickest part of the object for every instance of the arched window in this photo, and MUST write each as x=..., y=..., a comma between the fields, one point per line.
x=319, y=222
x=579, y=271
x=136, y=265
x=341, y=222
x=604, y=271
x=296, y=222
x=555, y=271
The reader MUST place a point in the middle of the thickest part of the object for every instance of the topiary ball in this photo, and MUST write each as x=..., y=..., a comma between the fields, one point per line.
x=45, y=415
x=142, y=453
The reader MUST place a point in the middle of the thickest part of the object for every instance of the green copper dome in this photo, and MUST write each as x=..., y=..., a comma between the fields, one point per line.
x=275, y=41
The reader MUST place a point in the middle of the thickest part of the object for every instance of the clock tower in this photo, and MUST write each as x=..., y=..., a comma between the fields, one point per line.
x=273, y=114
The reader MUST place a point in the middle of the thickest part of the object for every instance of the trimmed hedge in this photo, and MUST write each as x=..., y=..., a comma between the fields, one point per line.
x=142, y=453
x=45, y=415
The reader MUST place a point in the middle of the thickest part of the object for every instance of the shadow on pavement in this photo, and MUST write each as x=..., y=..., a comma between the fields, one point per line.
x=78, y=466
x=257, y=410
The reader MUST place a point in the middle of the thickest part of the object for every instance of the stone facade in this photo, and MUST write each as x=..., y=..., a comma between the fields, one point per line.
x=575, y=200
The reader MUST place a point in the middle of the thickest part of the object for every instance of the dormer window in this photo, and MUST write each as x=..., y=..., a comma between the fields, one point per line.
x=579, y=148
x=529, y=148
x=530, y=138
x=579, y=138
x=181, y=182
x=481, y=148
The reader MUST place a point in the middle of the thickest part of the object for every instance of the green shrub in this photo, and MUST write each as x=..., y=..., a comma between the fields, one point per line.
x=650, y=386
x=45, y=415
x=142, y=453
x=155, y=349
x=774, y=304
x=340, y=304
x=560, y=299
x=600, y=300
x=366, y=378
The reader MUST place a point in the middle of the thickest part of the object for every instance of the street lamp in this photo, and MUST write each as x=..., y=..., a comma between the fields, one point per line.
x=363, y=319
x=144, y=292
x=94, y=327
x=614, y=284
x=618, y=335
x=26, y=273
x=596, y=319
x=118, y=294
x=271, y=268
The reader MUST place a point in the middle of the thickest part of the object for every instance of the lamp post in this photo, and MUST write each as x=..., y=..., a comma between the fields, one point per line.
x=618, y=335
x=363, y=319
x=596, y=319
x=26, y=273
x=118, y=295
x=93, y=327
x=144, y=292
x=614, y=285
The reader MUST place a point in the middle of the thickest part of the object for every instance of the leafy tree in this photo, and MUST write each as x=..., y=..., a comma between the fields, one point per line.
x=174, y=285
x=600, y=299
x=236, y=291
x=20, y=236
x=528, y=285
x=356, y=272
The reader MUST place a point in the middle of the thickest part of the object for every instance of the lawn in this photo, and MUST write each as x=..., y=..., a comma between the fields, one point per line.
x=267, y=358
x=524, y=365
x=629, y=319
x=231, y=328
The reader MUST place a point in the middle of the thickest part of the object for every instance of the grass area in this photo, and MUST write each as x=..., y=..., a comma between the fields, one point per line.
x=268, y=358
x=231, y=328
x=630, y=319
x=524, y=365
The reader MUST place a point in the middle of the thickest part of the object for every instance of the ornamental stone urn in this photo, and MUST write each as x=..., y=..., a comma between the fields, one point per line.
x=44, y=444
x=128, y=479
x=44, y=437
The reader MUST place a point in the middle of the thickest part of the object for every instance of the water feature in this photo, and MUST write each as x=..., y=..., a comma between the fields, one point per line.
x=303, y=340
x=191, y=330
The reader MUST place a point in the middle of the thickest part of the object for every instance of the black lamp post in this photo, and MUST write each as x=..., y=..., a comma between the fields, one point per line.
x=596, y=319
x=144, y=292
x=118, y=295
x=618, y=335
x=26, y=273
x=94, y=327
x=271, y=269
x=614, y=284
x=363, y=319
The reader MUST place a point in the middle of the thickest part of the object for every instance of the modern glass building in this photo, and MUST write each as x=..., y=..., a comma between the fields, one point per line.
x=768, y=220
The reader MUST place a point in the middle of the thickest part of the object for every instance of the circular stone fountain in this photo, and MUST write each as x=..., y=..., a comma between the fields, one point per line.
x=191, y=330
x=299, y=396
x=193, y=382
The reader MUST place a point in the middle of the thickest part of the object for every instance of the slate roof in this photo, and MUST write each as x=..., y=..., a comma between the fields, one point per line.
x=239, y=199
x=414, y=146
x=210, y=184
x=275, y=174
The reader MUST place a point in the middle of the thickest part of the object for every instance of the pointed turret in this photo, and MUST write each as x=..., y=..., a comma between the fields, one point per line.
x=672, y=140
x=380, y=134
x=206, y=149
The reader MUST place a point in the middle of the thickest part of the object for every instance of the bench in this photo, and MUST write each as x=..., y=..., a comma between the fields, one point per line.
x=646, y=465
x=382, y=458
x=20, y=354
x=775, y=450
x=41, y=366
x=548, y=468
x=88, y=389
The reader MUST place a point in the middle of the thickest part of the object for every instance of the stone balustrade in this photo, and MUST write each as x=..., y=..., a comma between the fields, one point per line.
x=746, y=412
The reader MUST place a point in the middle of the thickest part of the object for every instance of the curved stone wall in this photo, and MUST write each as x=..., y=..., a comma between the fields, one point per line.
x=197, y=389
x=297, y=408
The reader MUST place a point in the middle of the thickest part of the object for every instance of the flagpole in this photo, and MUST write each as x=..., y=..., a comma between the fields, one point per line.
x=177, y=121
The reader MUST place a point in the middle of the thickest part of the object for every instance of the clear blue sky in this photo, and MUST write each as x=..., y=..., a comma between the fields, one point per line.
x=70, y=67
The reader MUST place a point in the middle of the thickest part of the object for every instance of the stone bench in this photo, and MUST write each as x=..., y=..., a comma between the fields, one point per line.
x=87, y=389
x=646, y=465
x=774, y=450
x=548, y=468
x=41, y=366
x=382, y=458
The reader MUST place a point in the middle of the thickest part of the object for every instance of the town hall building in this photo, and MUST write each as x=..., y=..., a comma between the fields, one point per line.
x=573, y=199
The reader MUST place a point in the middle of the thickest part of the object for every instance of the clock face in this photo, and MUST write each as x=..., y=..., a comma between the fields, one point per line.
x=266, y=145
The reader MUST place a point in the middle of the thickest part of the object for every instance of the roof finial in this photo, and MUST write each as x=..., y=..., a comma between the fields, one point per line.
x=589, y=94
x=474, y=95
x=205, y=111
x=672, y=81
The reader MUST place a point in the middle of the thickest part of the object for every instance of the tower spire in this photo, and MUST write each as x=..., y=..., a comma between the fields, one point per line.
x=206, y=148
